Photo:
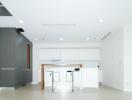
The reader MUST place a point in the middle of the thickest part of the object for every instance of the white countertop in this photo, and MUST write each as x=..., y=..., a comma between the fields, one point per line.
x=88, y=63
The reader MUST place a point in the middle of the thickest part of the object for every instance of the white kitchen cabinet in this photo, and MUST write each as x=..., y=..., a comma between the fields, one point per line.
x=89, y=77
x=89, y=54
x=69, y=54
x=49, y=54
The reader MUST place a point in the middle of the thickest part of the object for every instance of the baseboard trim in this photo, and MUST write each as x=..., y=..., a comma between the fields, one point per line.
x=7, y=88
x=112, y=87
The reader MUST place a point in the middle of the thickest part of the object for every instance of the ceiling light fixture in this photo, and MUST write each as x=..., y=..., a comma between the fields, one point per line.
x=61, y=38
x=21, y=21
x=101, y=21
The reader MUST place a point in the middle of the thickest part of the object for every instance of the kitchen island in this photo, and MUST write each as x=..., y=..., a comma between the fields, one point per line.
x=85, y=77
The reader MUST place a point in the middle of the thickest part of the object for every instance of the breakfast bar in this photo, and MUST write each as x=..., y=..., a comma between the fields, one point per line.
x=43, y=66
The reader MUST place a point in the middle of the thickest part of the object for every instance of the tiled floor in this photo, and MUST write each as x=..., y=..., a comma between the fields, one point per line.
x=34, y=93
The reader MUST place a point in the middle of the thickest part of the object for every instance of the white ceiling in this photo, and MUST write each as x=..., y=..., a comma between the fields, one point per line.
x=74, y=20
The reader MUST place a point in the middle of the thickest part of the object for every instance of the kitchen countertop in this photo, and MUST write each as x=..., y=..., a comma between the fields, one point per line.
x=70, y=62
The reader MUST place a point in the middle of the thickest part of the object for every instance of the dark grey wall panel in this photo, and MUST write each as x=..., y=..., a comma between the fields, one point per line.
x=21, y=52
x=27, y=75
x=23, y=76
x=20, y=59
x=19, y=77
x=7, y=78
x=13, y=54
x=7, y=40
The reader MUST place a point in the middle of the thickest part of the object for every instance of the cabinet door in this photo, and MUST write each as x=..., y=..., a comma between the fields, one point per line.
x=69, y=54
x=89, y=77
x=89, y=54
x=49, y=54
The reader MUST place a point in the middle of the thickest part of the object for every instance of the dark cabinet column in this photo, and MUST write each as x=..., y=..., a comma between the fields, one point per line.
x=15, y=58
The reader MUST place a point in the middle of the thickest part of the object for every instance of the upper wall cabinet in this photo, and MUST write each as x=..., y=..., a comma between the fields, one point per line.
x=69, y=54
x=15, y=58
x=89, y=54
x=80, y=54
x=49, y=54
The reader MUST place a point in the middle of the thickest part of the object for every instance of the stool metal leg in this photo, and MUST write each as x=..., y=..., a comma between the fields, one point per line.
x=52, y=81
x=72, y=73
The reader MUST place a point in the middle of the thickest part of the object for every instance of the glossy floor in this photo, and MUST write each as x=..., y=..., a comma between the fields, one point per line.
x=34, y=93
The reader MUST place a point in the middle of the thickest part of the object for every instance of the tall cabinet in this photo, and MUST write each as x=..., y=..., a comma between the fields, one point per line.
x=15, y=58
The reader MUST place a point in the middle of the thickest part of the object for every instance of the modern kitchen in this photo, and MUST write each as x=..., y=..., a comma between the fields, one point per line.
x=67, y=67
x=65, y=49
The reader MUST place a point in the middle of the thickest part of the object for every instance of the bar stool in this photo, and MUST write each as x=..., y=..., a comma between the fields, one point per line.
x=52, y=80
x=72, y=75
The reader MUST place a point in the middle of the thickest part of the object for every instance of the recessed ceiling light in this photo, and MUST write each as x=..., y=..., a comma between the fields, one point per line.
x=61, y=38
x=88, y=38
x=35, y=39
x=21, y=21
x=101, y=21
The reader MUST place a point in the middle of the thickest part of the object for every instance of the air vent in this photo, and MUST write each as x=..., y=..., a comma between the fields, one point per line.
x=105, y=36
x=4, y=11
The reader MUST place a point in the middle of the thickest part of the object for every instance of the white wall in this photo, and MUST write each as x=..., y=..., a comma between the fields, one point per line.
x=128, y=58
x=91, y=47
x=36, y=65
x=112, y=60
